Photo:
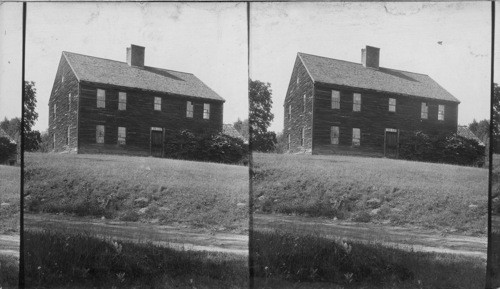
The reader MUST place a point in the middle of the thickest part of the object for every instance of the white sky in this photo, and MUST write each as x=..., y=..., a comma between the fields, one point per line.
x=11, y=37
x=406, y=33
x=206, y=39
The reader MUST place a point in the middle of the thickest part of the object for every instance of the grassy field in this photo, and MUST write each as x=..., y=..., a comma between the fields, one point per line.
x=284, y=260
x=9, y=271
x=165, y=191
x=9, y=197
x=495, y=234
x=80, y=261
x=439, y=196
x=495, y=185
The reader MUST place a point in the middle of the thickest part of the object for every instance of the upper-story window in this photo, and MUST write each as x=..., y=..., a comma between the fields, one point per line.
x=441, y=112
x=335, y=99
x=122, y=135
x=298, y=79
x=334, y=135
x=356, y=137
x=69, y=101
x=305, y=103
x=101, y=98
x=424, y=112
x=62, y=78
x=157, y=105
x=189, y=109
x=288, y=142
x=206, y=111
x=68, y=134
x=99, y=137
x=122, y=101
x=392, y=104
x=289, y=111
x=54, y=110
x=356, y=102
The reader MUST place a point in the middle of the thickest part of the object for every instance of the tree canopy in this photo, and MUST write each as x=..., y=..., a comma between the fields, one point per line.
x=29, y=103
x=261, y=116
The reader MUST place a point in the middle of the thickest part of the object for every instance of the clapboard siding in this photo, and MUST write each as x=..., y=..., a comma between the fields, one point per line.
x=66, y=114
x=138, y=118
x=374, y=118
x=300, y=117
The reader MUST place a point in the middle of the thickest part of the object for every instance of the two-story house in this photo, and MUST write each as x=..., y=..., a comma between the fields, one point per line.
x=105, y=106
x=334, y=106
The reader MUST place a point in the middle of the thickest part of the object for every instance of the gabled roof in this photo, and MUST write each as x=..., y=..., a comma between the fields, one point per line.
x=463, y=130
x=5, y=135
x=345, y=73
x=228, y=129
x=106, y=71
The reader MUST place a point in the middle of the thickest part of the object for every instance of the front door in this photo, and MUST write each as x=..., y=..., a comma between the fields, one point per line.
x=157, y=142
x=391, y=143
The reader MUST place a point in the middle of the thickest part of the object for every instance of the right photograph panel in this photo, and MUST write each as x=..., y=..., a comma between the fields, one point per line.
x=370, y=137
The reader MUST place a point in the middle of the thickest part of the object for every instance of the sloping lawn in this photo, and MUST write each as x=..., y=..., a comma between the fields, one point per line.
x=397, y=192
x=165, y=191
x=9, y=198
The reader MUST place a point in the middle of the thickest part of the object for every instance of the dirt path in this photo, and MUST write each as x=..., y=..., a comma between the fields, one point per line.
x=405, y=238
x=9, y=245
x=169, y=236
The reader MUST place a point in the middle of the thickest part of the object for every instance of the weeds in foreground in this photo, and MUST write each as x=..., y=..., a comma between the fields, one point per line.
x=9, y=271
x=292, y=258
x=57, y=260
x=494, y=262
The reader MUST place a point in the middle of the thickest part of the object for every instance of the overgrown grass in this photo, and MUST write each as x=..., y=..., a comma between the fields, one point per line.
x=293, y=259
x=9, y=271
x=138, y=189
x=9, y=198
x=445, y=197
x=495, y=185
x=494, y=271
x=54, y=260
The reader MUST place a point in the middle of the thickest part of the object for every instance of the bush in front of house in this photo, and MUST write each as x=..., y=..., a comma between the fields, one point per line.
x=7, y=149
x=451, y=149
x=216, y=147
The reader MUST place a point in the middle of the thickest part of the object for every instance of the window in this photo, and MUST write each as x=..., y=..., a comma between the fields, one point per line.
x=441, y=112
x=356, y=102
x=335, y=99
x=157, y=103
x=122, y=101
x=101, y=98
x=424, y=113
x=99, y=138
x=288, y=144
x=334, y=135
x=54, y=141
x=289, y=111
x=189, y=109
x=62, y=78
x=206, y=111
x=392, y=104
x=302, y=136
x=297, y=79
x=69, y=101
x=68, y=135
x=305, y=100
x=54, y=110
x=122, y=135
x=356, y=137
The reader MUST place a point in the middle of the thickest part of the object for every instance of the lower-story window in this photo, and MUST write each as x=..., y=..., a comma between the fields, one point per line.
x=356, y=137
x=68, y=135
x=99, y=138
x=288, y=141
x=302, y=136
x=122, y=135
x=334, y=135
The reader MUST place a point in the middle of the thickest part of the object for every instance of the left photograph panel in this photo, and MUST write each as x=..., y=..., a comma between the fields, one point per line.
x=136, y=167
x=11, y=27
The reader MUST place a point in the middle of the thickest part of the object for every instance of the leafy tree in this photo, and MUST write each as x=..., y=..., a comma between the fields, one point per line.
x=495, y=120
x=32, y=139
x=7, y=149
x=29, y=115
x=261, y=116
x=242, y=127
x=481, y=129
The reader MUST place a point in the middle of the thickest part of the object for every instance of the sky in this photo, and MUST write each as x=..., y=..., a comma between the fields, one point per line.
x=406, y=33
x=206, y=39
x=11, y=36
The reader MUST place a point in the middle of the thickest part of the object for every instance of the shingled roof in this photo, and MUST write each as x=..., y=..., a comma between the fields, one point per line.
x=7, y=136
x=464, y=131
x=106, y=71
x=345, y=73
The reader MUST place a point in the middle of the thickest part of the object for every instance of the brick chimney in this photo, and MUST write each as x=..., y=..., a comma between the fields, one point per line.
x=370, y=57
x=135, y=55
